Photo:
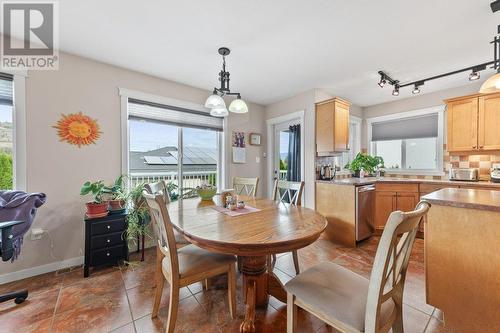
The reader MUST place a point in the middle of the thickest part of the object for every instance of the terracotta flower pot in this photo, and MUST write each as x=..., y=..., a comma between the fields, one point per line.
x=96, y=208
x=116, y=204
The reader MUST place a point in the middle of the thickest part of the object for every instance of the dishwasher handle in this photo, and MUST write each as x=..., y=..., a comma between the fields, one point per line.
x=368, y=188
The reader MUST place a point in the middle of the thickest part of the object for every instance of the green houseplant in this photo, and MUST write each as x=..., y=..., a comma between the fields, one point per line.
x=366, y=162
x=96, y=207
x=138, y=214
x=117, y=194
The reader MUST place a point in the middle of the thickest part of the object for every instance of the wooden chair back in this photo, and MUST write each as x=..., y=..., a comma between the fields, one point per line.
x=246, y=186
x=391, y=261
x=164, y=229
x=158, y=188
x=286, y=190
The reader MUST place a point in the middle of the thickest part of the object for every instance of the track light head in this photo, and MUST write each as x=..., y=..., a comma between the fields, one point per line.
x=495, y=6
x=395, y=92
x=416, y=90
x=382, y=81
x=474, y=76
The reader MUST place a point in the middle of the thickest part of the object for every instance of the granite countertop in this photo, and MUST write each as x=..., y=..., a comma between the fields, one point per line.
x=465, y=198
x=373, y=180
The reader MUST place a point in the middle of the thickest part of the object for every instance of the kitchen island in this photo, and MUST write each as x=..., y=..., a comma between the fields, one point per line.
x=462, y=258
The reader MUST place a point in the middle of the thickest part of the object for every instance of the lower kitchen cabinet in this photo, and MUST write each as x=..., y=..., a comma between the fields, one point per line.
x=392, y=197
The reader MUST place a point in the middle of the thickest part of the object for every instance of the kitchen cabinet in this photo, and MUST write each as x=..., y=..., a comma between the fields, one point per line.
x=332, y=126
x=473, y=123
x=391, y=197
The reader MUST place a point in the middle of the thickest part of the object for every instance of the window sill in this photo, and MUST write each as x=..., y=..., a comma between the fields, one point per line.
x=414, y=172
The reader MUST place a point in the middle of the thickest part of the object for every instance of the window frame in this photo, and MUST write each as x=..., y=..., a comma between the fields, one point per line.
x=439, y=110
x=126, y=94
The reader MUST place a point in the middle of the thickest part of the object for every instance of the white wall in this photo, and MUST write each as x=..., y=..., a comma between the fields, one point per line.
x=59, y=169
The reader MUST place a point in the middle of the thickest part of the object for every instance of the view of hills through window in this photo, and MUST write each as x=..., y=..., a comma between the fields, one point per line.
x=6, y=145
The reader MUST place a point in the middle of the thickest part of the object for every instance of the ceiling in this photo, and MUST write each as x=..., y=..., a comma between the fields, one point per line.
x=284, y=47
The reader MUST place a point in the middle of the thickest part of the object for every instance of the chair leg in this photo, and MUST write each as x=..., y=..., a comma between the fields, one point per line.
x=231, y=288
x=273, y=263
x=173, y=306
x=206, y=284
x=291, y=314
x=239, y=263
x=296, y=262
x=160, y=281
x=397, y=325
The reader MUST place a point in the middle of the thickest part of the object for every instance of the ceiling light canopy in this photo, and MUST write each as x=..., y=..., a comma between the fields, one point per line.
x=215, y=102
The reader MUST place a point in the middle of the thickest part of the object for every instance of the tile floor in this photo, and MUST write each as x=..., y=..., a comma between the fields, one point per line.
x=119, y=299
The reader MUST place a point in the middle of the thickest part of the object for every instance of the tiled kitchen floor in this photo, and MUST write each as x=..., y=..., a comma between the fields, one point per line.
x=119, y=299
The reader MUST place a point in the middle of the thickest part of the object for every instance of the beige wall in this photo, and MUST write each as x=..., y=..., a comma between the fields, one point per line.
x=59, y=169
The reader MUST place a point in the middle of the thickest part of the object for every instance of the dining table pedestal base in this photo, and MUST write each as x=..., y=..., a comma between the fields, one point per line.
x=258, y=284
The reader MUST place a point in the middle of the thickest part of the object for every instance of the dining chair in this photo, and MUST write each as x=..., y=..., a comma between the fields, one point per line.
x=246, y=186
x=160, y=187
x=184, y=266
x=350, y=302
x=288, y=192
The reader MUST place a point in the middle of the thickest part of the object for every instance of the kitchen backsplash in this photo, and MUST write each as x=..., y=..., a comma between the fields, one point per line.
x=482, y=162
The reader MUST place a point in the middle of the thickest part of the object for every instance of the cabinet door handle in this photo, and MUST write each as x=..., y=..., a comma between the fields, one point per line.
x=108, y=240
x=109, y=227
x=108, y=254
x=481, y=147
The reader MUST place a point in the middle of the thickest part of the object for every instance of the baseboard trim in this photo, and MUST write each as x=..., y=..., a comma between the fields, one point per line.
x=29, y=272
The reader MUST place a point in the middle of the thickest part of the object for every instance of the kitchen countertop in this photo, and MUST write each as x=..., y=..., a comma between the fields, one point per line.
x=465, y=198
x=373, y=180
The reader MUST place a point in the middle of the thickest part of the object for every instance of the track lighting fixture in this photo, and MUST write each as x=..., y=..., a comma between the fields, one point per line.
x=474, y=76
x=416, y=90
x=382, y=81
x=395, y=92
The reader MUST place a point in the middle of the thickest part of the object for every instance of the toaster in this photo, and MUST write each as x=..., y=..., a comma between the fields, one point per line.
x=464, y=174
x=495, y=173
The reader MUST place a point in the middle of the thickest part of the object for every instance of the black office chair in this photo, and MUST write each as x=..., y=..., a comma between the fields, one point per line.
x=7, y=251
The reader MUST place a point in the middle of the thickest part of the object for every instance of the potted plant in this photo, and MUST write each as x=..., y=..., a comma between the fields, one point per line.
x=97, y=207
x=117, y=195
x=366, y=162
x=138, y=213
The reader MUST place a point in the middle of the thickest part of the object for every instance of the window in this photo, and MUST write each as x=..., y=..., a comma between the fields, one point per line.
x=171, y=143
x=409, y=143
x=354, y=141
x=6, y=132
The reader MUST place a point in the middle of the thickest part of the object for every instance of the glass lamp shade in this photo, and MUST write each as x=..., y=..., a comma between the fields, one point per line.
x=491, y=85
x=219, y=112
x=215, y=101
x=238, y=106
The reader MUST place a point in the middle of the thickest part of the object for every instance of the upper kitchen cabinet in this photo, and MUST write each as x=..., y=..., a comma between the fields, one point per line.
x=473, y=123
x=489, y=122
x=332, y=126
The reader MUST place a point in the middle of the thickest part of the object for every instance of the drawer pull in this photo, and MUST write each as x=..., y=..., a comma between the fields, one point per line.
x=108, y=240
x=109, y=227
x=108, y=254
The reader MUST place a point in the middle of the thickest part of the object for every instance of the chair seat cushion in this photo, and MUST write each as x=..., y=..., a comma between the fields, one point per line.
x=335, y=293
x=194, y=260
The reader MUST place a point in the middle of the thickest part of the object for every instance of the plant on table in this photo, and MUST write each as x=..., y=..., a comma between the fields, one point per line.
x=97, y=206
x=364, y=162
x=117, y=194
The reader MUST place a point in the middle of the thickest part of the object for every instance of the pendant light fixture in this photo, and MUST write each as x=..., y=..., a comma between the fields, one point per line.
x=493, y=83
x=215, y=102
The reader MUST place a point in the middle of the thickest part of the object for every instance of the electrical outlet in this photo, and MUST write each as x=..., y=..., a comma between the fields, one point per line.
x=257, y=159
x=36, y=233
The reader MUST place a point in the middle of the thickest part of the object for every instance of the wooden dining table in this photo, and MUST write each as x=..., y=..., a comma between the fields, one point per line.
x=275, y=228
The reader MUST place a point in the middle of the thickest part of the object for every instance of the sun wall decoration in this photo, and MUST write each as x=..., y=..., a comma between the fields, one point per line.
x=78, y=129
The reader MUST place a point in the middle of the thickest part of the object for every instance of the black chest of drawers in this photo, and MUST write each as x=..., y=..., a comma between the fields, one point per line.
x=105, y=241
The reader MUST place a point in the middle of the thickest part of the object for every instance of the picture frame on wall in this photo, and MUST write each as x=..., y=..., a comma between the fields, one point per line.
x=255, y=139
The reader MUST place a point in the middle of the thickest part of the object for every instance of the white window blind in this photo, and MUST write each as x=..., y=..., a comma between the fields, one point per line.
x=5, y=89
x=425, y=126
x=173, y=115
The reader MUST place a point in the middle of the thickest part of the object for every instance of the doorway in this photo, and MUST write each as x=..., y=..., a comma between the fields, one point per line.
x=280, y=151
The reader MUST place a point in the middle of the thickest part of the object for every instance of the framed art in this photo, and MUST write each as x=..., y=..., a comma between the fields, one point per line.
x=255, y=139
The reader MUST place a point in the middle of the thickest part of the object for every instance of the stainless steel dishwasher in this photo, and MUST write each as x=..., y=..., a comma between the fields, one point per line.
x=365, y=209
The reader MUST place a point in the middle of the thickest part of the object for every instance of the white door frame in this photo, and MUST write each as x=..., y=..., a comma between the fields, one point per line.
x=299, y=116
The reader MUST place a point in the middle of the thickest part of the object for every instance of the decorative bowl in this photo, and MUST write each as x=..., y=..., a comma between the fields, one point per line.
x=206, y=193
